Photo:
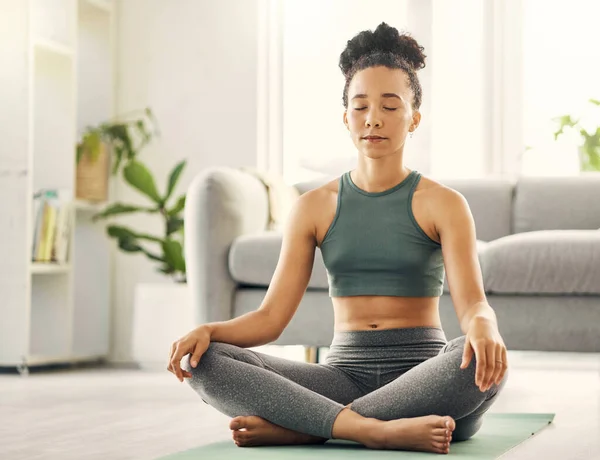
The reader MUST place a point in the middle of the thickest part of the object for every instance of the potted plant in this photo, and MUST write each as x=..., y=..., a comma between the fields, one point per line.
x=119, y=139
x=162, y=311
x=589, y=136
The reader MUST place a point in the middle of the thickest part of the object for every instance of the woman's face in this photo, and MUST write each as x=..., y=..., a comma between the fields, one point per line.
x=380, y=104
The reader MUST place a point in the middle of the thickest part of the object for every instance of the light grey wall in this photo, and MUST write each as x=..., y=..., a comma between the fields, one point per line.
x=194, y=62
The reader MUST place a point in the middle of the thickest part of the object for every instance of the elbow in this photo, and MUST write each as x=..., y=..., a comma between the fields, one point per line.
x=272, y=325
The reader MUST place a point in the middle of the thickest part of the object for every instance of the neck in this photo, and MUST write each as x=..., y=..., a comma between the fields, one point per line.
x=378, y=175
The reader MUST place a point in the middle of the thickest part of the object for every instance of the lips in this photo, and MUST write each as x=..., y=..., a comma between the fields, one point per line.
x=374, y=137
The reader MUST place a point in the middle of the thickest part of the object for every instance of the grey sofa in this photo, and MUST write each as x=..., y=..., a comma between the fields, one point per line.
x=538, y=245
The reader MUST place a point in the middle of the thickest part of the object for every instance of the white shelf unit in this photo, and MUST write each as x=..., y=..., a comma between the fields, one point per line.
x=61, y=79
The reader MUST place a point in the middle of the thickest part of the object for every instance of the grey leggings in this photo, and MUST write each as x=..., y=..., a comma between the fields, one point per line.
x=386, y=374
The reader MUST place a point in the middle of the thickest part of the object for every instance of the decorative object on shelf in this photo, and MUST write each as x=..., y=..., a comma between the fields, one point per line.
x=119, y=140
x=589, y=149
x=51, y=226
x=171, y=257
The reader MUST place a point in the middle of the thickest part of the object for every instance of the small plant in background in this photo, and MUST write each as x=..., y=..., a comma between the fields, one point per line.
x=125, y=137
x=170, y=244
x=589, y=149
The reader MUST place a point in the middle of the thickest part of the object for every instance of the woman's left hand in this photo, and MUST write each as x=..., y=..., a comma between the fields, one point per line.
x=483, y=339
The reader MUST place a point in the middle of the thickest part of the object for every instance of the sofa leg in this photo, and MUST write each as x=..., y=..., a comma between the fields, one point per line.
x=311, y=354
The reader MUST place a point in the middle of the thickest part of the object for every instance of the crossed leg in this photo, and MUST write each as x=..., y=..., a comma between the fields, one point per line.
x=435, y=386
x=296, y=402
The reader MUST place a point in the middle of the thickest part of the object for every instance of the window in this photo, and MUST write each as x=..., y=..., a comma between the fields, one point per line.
x=561, y=71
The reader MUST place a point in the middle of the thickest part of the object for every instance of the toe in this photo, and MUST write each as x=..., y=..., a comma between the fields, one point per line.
x=440, y=438
x=252, y=421
x=441, y=447
x=237, y=423
x=449, y=424
x=441, y=432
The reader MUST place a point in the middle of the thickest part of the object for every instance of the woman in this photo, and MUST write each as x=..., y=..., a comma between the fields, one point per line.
x=391, y=379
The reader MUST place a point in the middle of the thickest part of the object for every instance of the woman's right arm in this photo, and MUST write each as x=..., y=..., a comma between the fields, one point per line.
x=287, y=286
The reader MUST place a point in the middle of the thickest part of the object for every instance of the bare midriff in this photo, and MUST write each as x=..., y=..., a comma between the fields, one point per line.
x=359, y=313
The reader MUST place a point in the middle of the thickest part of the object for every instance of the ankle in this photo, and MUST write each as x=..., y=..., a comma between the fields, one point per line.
x=373, y=433
x=354, y=427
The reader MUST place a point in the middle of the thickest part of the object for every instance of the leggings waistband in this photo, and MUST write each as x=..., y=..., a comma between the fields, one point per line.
x=385, y=337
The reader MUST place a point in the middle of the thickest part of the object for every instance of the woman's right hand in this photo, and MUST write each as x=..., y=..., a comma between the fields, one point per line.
x=195, y=342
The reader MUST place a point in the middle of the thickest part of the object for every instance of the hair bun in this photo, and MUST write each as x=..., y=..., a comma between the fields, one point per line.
x=385, y=39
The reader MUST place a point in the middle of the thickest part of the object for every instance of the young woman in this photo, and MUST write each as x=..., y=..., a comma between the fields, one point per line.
x=388, y=236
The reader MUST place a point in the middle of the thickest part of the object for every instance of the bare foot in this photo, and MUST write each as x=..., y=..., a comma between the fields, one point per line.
x=256, y=431
x=431, y=433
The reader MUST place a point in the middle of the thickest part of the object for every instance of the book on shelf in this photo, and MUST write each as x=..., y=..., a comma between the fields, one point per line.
x=52, y=211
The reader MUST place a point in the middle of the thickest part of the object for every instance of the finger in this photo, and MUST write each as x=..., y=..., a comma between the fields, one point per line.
x=175, y=361
x=169, y=367
x=467, y=355
x=499, y=368
x=481, y=363
x=490, y=352
x=504, y=365
x=198, y=352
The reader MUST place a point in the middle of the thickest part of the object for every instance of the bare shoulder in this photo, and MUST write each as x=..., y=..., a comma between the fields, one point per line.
x=439, y=197
x=318, y=207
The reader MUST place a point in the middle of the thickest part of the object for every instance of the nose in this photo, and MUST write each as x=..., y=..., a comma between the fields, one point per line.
x=372, y=121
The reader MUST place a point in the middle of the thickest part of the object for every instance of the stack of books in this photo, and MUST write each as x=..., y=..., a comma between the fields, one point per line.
x=52, y=217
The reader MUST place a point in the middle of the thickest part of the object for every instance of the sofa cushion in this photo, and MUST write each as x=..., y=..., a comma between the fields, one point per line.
x=543, y=262
x=557, y=203
x=253, y=258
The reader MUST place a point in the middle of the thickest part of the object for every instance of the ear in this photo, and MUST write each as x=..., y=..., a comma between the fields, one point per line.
x=345, y=118
x=416, y=119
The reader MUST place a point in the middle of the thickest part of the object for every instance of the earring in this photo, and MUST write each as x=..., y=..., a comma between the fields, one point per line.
x=410, y=134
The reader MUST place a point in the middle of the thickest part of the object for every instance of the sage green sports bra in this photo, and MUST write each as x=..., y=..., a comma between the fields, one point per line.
x=375, y=246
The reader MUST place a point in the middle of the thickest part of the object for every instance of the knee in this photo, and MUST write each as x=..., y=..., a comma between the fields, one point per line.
x=208, y=361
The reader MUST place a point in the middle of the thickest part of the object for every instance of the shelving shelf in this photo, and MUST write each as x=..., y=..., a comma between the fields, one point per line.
x=57, y=79
x=48, y=268
x=89, y=206
x=52, y=46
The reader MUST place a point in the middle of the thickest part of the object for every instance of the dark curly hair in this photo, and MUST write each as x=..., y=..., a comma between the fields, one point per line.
x=383, y=47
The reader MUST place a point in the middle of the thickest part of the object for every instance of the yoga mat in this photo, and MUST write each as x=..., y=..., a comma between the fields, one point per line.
x=499, y=433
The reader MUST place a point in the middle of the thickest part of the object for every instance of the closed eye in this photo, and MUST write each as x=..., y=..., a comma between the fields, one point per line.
x=391, y=109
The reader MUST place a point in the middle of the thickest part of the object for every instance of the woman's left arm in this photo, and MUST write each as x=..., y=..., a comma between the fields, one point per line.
x=456, y=229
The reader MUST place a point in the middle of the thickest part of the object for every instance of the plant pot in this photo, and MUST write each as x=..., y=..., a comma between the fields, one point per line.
x=162, y=314
x=92, y=176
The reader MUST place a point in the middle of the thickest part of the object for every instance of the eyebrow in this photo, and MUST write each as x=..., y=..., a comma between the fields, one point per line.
x=363, y=96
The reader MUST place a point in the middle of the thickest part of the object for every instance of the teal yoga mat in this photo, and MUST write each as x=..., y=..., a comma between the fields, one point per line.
x=500, y=432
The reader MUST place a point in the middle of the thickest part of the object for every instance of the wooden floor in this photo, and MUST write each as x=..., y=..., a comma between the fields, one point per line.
x=126, y=414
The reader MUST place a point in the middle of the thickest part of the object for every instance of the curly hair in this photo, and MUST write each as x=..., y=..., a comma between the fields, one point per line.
x=383, y=47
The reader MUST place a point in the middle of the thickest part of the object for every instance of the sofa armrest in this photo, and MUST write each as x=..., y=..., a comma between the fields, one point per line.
x=222, y=203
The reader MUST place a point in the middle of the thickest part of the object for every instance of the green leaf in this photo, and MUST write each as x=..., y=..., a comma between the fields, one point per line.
x=595, y=101
x=129, y=245
x=173, y=178
x=118, y=208
x=173, y=225
x=166, y=270
x=179, y=206
x=117, y=231
x=153, y=256
x=119, y=158
x=138, y=176
x=174, y=254
x=80, y=151
x=563, y=121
